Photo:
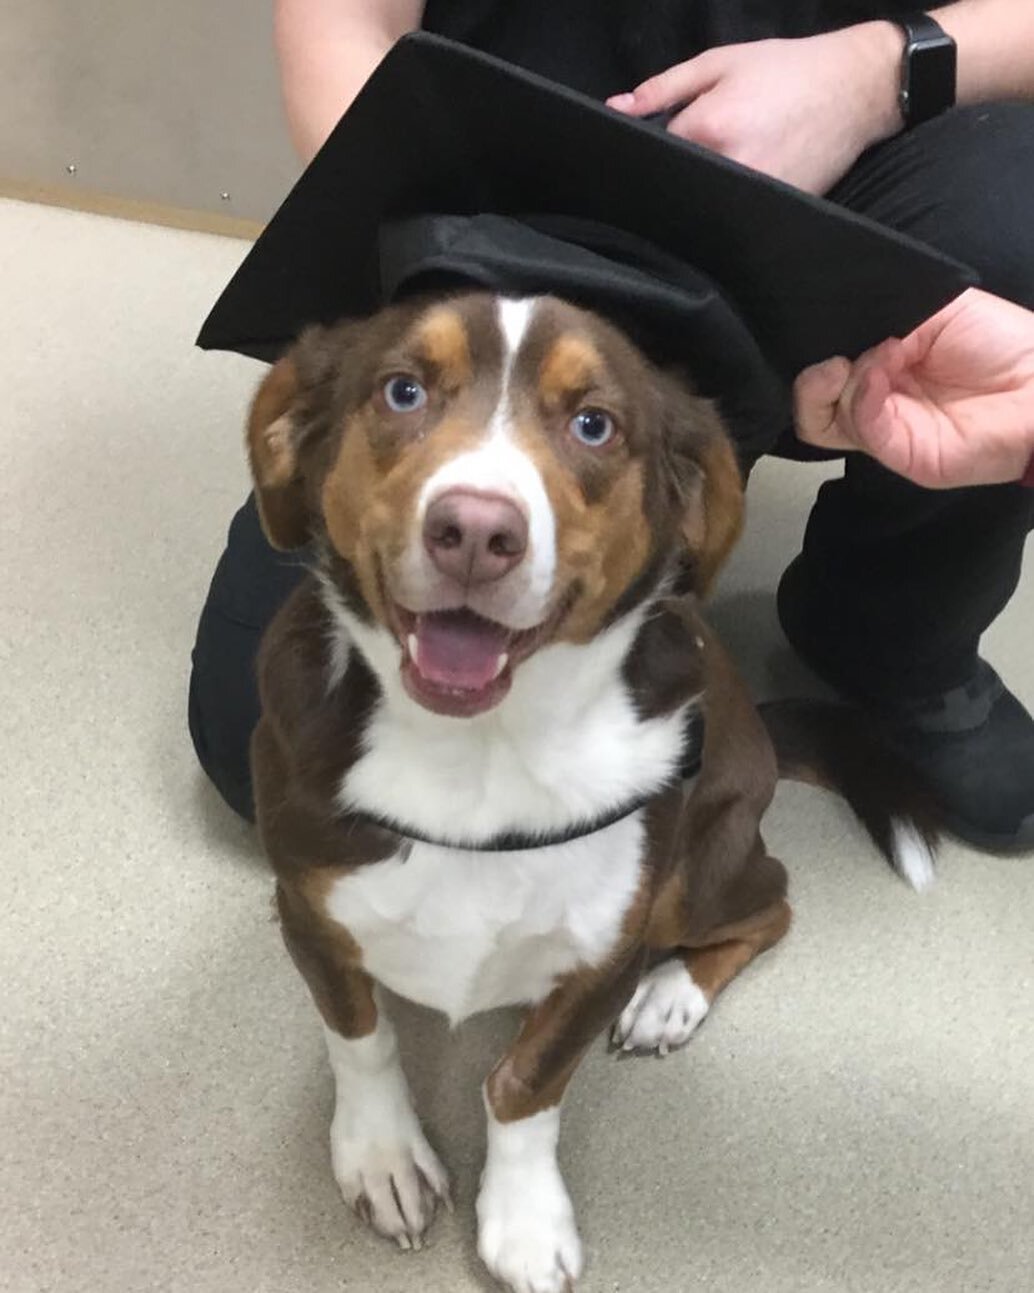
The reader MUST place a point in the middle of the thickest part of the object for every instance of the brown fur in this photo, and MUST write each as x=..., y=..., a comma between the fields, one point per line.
x=602, y=545
x=272, y=456
x=329, y=457
x=330, y=461
x=573, y=364
x=443, y=338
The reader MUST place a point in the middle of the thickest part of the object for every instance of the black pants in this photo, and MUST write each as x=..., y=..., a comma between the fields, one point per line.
x=903, y=581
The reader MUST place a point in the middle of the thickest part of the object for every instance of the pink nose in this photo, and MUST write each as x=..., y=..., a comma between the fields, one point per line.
x=475, y=538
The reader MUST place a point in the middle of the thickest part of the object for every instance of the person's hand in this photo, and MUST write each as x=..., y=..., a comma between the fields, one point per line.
x=951, y=405
x=799, y=110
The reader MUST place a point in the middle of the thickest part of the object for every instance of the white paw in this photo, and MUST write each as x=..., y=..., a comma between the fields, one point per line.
x=526, y=1231
x=393, y=1184
x=665, y=1011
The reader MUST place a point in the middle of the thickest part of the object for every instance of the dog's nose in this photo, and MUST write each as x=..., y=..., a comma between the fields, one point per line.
x=475, y=538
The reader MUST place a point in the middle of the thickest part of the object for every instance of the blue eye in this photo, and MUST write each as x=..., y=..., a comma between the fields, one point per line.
x=592, y=427
x=404, y=394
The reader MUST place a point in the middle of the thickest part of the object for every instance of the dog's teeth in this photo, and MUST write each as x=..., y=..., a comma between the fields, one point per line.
x=412, y=646
x=501, y=664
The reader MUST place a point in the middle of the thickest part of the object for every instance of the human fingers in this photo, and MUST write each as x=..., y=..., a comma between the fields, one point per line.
x=817, y=394
x=670, y=88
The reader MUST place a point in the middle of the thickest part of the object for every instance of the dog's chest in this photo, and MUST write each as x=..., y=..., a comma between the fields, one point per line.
x=464, y=932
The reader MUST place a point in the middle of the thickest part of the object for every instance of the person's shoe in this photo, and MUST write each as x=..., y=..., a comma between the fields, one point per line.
x=975, y=747
x=974, y=744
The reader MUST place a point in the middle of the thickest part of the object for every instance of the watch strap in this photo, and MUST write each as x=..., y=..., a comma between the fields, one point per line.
x=919, y=27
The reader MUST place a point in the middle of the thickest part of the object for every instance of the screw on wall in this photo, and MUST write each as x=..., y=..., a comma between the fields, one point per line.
x=224, y=197
x=71, y=168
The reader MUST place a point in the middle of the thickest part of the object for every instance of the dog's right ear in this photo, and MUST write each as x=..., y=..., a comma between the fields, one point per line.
x=292, y=411
x=273, y=440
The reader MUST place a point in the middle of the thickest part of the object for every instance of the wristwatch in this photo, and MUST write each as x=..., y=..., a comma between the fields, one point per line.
x=927, y=69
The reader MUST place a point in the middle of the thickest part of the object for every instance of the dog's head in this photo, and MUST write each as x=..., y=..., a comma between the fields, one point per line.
x=483, y=476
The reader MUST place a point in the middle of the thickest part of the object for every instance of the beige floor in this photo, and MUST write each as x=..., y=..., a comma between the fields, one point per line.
x=857, y=1117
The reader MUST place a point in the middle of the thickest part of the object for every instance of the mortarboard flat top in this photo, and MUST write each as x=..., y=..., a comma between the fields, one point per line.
x=569, y=197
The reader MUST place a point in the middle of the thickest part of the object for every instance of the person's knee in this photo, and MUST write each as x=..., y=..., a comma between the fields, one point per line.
x=979, y=164
x=250, y=584
x=221, y=713
x=962, y=182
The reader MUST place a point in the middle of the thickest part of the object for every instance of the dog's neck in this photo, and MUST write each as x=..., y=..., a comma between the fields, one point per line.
x=568, y=743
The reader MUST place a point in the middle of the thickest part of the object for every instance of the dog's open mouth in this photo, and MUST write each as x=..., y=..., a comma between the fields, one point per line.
x=458, y=663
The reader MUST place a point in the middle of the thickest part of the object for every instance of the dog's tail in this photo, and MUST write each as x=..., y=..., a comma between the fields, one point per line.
x=842, y=749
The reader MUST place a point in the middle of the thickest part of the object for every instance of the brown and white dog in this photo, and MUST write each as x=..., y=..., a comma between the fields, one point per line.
x=501, y=759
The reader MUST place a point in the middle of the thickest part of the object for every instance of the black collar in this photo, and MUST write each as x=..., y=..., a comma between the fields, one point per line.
x=521, y=841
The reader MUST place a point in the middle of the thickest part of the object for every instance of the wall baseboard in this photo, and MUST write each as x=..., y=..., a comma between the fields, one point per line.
x=75, y=198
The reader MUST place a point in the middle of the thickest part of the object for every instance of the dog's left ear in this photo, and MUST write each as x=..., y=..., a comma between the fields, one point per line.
x=706, y=480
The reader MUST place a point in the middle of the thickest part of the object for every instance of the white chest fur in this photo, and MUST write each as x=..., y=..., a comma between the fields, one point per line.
x=566, y=745
x=463, y=932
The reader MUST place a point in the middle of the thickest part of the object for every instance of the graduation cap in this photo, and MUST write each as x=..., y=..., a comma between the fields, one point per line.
x=452, y=167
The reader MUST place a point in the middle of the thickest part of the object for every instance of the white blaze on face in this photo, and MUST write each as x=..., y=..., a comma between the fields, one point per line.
x=499, y=466
x=514, y=317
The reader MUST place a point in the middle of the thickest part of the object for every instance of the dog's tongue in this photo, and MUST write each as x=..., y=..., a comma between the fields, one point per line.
x=458, y=649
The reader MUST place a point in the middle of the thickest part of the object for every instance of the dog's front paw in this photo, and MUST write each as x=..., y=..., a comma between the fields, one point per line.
x=526, y=1232
x=665, y=1011
x=393, y=1184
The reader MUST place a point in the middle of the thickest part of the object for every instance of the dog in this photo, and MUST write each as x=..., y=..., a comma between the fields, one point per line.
x=502, y=760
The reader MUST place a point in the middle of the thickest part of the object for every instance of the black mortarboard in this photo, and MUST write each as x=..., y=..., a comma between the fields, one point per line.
x=452, y=166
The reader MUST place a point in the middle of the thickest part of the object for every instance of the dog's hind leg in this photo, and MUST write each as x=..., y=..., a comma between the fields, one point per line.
x=382, y=1162
x=673, y=999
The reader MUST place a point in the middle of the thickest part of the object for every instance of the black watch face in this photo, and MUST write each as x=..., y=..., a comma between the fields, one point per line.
x=931, y=78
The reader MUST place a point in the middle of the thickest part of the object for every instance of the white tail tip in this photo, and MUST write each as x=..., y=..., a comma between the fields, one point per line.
x=913, y=857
